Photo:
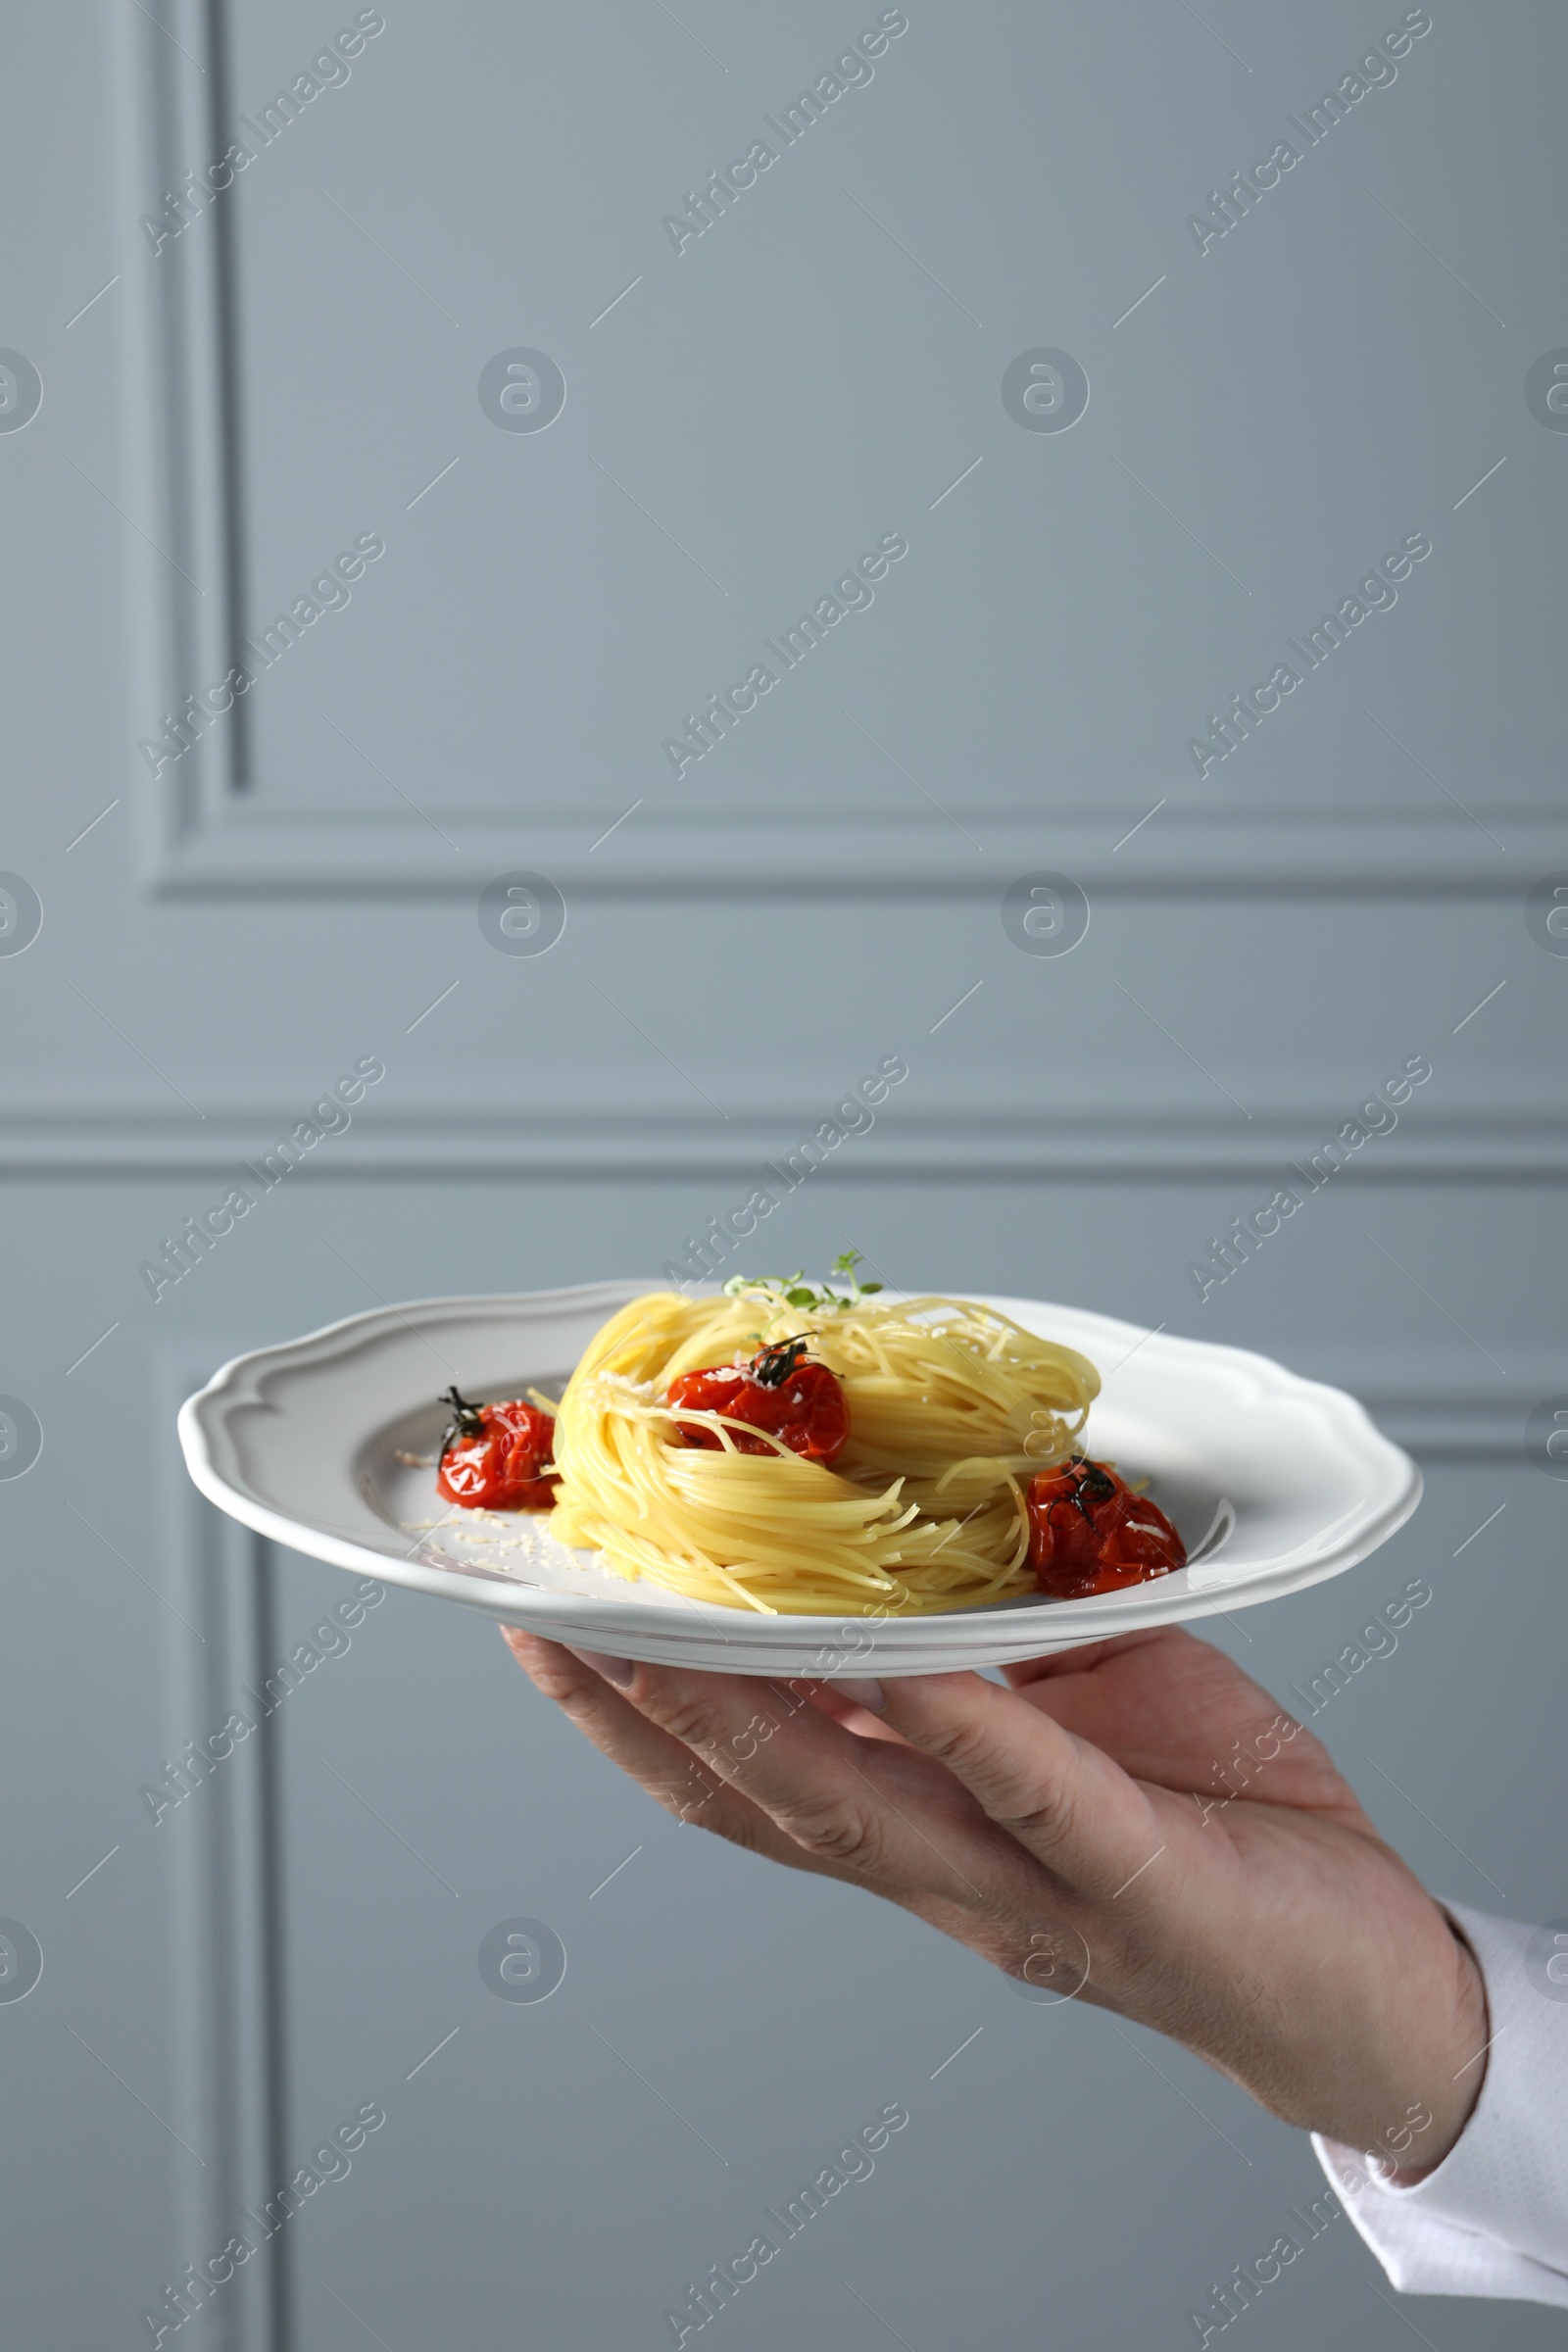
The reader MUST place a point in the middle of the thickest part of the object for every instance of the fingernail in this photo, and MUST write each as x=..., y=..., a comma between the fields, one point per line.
x=868, y=1695
x=619, y=1671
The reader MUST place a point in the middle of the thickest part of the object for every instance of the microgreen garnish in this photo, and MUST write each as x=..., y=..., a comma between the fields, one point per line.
x=793, y=1290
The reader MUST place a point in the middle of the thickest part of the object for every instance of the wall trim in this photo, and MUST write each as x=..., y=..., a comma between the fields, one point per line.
x=958, y=1142
x=227, y=2030
x=823, y=856
x=207, y=834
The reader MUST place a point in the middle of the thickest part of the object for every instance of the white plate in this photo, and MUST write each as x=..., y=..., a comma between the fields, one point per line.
x=1274, y=1481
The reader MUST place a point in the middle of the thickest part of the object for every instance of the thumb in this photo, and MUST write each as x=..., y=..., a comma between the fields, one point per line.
x=1063, y=1801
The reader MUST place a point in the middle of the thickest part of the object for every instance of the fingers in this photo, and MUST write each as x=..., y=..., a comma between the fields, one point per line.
x=868, y=1810
x=1081, y=1657
x=1176, y=1712
x=819, y=1782
x=668, y=1772
x=856, y=1705
x=936, y=1814
x=1060, y=1799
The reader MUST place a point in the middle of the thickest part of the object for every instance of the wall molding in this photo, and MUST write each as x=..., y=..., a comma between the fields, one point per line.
x=1195, y=853
x=207, y=834
x=1455, y=1427
x=226, y=2028
x=91, y=1141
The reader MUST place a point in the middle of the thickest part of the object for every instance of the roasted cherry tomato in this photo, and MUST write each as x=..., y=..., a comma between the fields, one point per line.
x=1089, y=1533
x=801, y=1404
x=496, y=1457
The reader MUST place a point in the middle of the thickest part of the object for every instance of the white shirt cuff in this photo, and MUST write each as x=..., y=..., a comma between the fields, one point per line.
x=1491, y=2219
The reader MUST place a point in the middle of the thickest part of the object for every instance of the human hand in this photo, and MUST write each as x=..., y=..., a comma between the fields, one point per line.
x=1271, y=1931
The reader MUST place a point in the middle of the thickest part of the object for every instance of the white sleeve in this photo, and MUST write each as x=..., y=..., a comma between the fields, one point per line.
x=1491, y=2219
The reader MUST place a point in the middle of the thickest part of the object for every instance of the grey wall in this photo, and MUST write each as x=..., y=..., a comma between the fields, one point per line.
x=1345, y=366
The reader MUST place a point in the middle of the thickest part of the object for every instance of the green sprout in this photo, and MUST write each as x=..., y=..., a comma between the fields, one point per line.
x=794, y=1290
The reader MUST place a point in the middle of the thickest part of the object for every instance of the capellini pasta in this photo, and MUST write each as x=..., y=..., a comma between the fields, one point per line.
x=953, y=1409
